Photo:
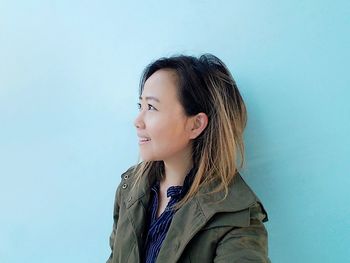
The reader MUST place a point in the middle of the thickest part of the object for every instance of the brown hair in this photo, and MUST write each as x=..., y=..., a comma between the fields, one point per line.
x=206, y=85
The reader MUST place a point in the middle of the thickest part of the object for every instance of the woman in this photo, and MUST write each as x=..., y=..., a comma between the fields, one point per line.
x=186, y=201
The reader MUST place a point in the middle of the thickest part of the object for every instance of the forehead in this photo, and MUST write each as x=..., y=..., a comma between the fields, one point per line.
x=163, y=82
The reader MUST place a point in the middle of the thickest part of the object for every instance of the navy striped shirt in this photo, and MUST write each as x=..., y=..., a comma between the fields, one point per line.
x=158, y=227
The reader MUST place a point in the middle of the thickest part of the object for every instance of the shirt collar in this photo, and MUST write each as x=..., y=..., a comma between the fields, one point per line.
x=177, y=191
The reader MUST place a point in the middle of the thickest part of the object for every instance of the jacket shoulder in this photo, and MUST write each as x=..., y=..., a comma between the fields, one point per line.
x=257, y=206
x=239, y=197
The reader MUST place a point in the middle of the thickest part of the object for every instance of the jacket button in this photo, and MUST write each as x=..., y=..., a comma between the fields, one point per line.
x=124, y=186
x=126, y=176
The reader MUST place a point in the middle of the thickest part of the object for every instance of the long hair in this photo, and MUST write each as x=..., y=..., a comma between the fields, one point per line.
x=205, y=85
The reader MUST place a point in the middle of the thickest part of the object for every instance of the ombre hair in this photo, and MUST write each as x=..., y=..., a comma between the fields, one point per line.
x=205, y=85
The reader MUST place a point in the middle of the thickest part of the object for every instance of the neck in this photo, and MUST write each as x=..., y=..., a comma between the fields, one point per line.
x=176, y=169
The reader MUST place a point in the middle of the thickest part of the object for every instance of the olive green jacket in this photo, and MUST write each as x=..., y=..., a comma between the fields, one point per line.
x=202, y=230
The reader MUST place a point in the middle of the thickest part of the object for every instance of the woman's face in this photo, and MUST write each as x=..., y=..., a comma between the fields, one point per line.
x=162, y=126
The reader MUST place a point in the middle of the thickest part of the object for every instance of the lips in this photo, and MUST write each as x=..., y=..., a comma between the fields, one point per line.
x=143, y=139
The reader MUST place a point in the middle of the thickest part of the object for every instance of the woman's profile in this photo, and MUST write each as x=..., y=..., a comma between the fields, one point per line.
x=186, y=201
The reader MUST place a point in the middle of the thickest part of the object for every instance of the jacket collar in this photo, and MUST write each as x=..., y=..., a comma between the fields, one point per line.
x=239, y=196
x=143, y=188
x=140, y=190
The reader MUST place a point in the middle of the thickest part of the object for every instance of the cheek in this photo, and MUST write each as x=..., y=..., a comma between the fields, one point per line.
x=170, y=136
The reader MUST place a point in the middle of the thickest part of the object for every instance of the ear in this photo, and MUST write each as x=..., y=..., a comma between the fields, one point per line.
x=198, y=123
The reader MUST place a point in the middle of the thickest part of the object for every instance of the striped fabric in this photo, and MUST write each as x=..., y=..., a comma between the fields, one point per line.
x=158, y=227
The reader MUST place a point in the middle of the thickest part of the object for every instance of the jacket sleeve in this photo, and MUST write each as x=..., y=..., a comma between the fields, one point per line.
x=245, y=244
x=115, y=222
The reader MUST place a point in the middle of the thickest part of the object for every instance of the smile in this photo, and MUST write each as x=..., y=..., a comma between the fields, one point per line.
x=144, y=140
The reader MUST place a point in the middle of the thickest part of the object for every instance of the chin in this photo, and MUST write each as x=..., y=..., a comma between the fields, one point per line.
x=147, y=158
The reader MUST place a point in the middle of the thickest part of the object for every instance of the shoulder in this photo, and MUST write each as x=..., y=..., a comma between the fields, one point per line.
x=235, y=224
x=256, y=206
x=240, y=200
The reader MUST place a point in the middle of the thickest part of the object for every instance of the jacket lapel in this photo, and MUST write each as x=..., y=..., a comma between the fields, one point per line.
x=137, y=203
x=186, y=222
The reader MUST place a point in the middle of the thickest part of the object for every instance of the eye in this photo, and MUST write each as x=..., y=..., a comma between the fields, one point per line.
x=150, y=107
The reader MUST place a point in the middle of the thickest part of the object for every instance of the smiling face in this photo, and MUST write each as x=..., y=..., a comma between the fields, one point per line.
x=163, y=129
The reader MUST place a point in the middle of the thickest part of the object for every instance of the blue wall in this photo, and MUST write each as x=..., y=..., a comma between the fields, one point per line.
x=69, y=72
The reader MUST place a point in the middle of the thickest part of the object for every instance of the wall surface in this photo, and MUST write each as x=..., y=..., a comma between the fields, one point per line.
x=69, y=73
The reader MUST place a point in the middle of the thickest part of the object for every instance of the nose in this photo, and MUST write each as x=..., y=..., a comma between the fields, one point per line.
x=138, y=122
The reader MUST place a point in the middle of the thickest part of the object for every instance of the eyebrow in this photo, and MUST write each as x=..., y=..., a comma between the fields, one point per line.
x=150, y=98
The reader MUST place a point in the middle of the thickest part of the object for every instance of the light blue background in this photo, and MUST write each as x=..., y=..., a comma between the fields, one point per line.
x=69, y=73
